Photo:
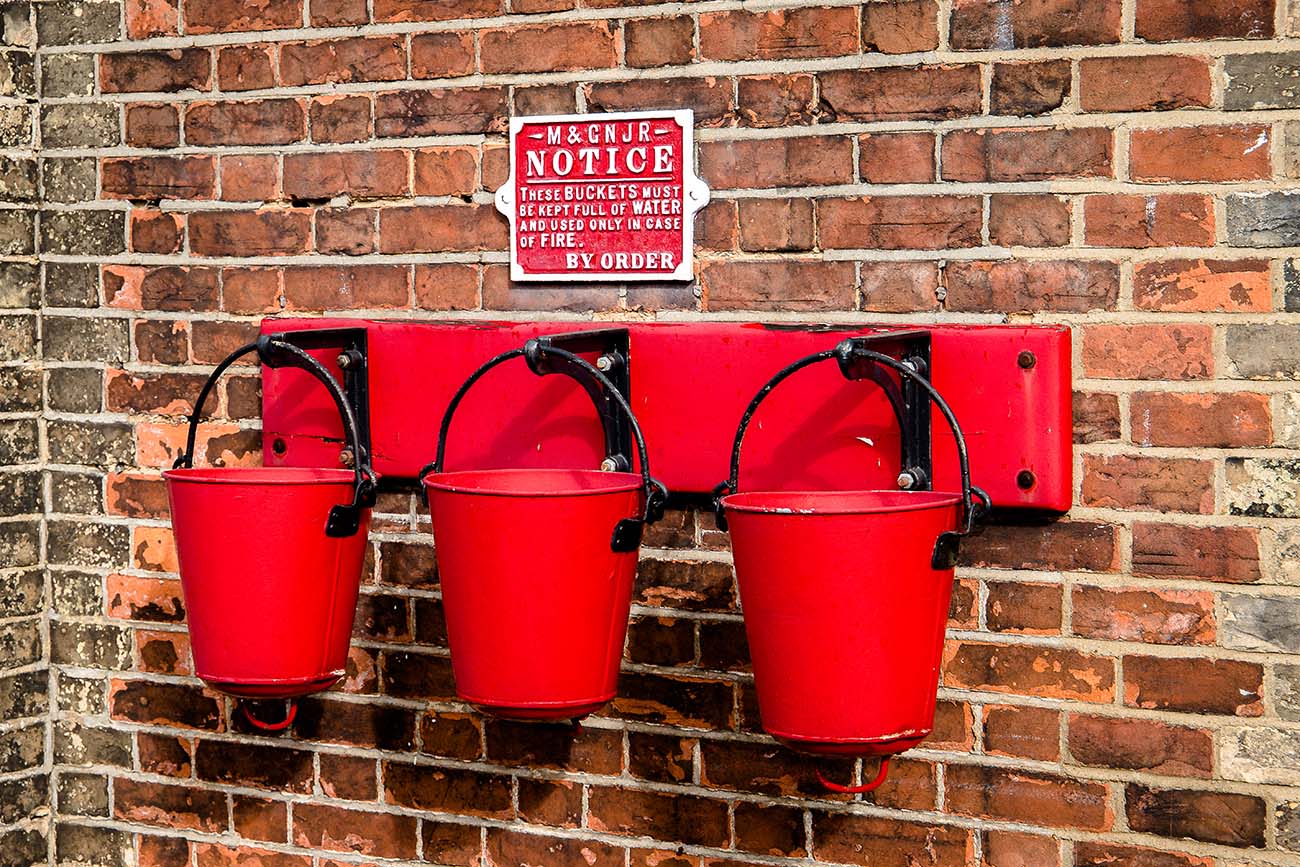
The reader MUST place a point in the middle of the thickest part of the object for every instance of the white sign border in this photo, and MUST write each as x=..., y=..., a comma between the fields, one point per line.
x=695, y=195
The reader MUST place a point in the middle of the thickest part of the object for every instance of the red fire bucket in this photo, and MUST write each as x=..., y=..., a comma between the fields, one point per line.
x=536, y=568
x=845, y=597
x=270, y=559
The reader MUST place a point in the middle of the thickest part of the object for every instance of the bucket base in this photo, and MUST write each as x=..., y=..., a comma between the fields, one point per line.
x=540, y=712
x=865, y=747
x=290, y=688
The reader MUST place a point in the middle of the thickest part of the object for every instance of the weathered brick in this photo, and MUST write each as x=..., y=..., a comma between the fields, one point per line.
x=1259, y=81
x=341, y=118
x=1203, y=285
x=1171, y=20
x=1041, y=799
x=246, y=67
x=359, y=174
x=71, y=22
x=156, y=71
x=1010, y=286
x=1164, y=220
x=269, y=232
x=152, y=126
x=1150, y=616
x=789, y=285
x=1027, y=732
x=440, y=112
x=845, y=838
x=1027, y=155
x=265, y=122
x=1227, y=554
x=1192, y=685
x=1211, y=817
x=140, y=178
x=74, y=125
x=1140, y=745
x=67, y=75
x=901, y=93
x=1029, y=670
x=900, y=222
x=1029, y=88
x=1263, y=351
x=1263, y=219
x=899, y=287
x=1148, y=352
x=825, y=31
x=984, y=24
x=548, y=48
x=221, y=16
x=774, y=100
x=651, y=42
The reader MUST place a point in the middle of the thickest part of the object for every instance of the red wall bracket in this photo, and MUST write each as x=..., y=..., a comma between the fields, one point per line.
x=690, y=382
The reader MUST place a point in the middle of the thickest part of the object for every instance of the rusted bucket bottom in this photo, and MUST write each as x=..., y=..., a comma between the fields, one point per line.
x=864, y=747
x=541, y=710
x=276, y=688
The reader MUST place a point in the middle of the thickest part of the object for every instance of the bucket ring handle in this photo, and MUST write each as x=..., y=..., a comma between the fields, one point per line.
x=879, y=781
x=627, y=533
x=274, y=351
x=975, y=502
x=290, y=713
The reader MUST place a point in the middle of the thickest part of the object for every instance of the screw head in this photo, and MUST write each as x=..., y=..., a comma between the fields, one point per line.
x=1025, y=479
x=1026, y=359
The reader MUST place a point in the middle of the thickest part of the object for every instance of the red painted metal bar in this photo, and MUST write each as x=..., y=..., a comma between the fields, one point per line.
x=1008, y=385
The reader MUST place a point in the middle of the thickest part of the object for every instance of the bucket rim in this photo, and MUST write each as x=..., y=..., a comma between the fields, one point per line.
x=912, y=501
x=455, y=482
x=261, y=476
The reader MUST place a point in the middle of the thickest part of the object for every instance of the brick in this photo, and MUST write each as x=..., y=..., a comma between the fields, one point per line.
x=1147, y=483
x=156, y=71
x=441, y=228
x=651, y=42
x=1175, y=352
x=845, y=838
x=440, y=112
x=152, y=126
x=1012, y=849
x=787, y=284
x=223, y=16
x=547, y=48
x=899, y=287
x=1262, y=351
x=68, y=75
x=164, y=703
x=169, y=806
x=1168, y=220
x=900, y=26
x=162, y=341
x=774, y=100
x=661, y=641
x=267, y=232
x=596, y=751
x=1191, y=685
x=358, y=174
x=689, y=702
x=710, y=98
x=1149, y=616
x=246, y=67
x=1203, y=285
x=419, y=10
x=1200, y=420
x=901, y=93
x=446, y=287
x=254, y=765
x=1010, y=286
x=1148, y=83
x=71, y=23
x=1029, y=88
x=1174, y=20
x=158, y=178
x=382, y=835
x=1030, y=221
x=74, y=125
x=378, y=58
x=1026, y=732
x=265, y=122
x=988, y=24
x=360, y=725
x=779, y=34
x=1041, y=799
x=900, y=222
x=416, y=675
x=338, y=13
x=896, y=158
x=340, y=118
x=222, y=855
x=1030, y=609
x=1263, y=219
x=1211, y=817
x=1203, y=153
x=250, y=178
x=1259, y=623
x=506, y=847
x=155, y=231
x=442, y=55
x=1027, y=155
x=540, y=99
x=1260, y=81
x=782, y=162
x=555, y=803
x=1140, y=745
x=446, y=171
x=689, y=819
x=1226, y=554
x=1029, y=670
x=69, y=180
x=1089, y=854
x=447, y=789
x=776, y=225
x=79, y=844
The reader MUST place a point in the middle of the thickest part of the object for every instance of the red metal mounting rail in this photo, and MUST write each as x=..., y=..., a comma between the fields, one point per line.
x=1008, y=385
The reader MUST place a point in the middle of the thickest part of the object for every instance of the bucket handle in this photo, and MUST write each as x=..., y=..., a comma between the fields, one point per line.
x=881, y=773
x=846, y=352
x=273, y=351
x=627, y=533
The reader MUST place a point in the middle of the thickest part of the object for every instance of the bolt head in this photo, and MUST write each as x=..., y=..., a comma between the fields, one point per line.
x=1026, y=360
x=608, y=465
x=906, y=480
x=346, y=458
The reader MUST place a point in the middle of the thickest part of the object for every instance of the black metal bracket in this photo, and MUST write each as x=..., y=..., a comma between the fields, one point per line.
x=353, y=359
x=612, y=347
x=911, y=405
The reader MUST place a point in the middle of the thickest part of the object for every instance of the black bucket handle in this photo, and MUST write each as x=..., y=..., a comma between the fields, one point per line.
x=274, y=351
x=846, y=352
x=627, y=533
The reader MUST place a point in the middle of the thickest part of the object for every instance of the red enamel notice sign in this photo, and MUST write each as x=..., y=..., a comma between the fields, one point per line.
x=602, y=196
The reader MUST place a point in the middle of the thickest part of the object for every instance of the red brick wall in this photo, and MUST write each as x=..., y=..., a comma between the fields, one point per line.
x=1121, y=685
